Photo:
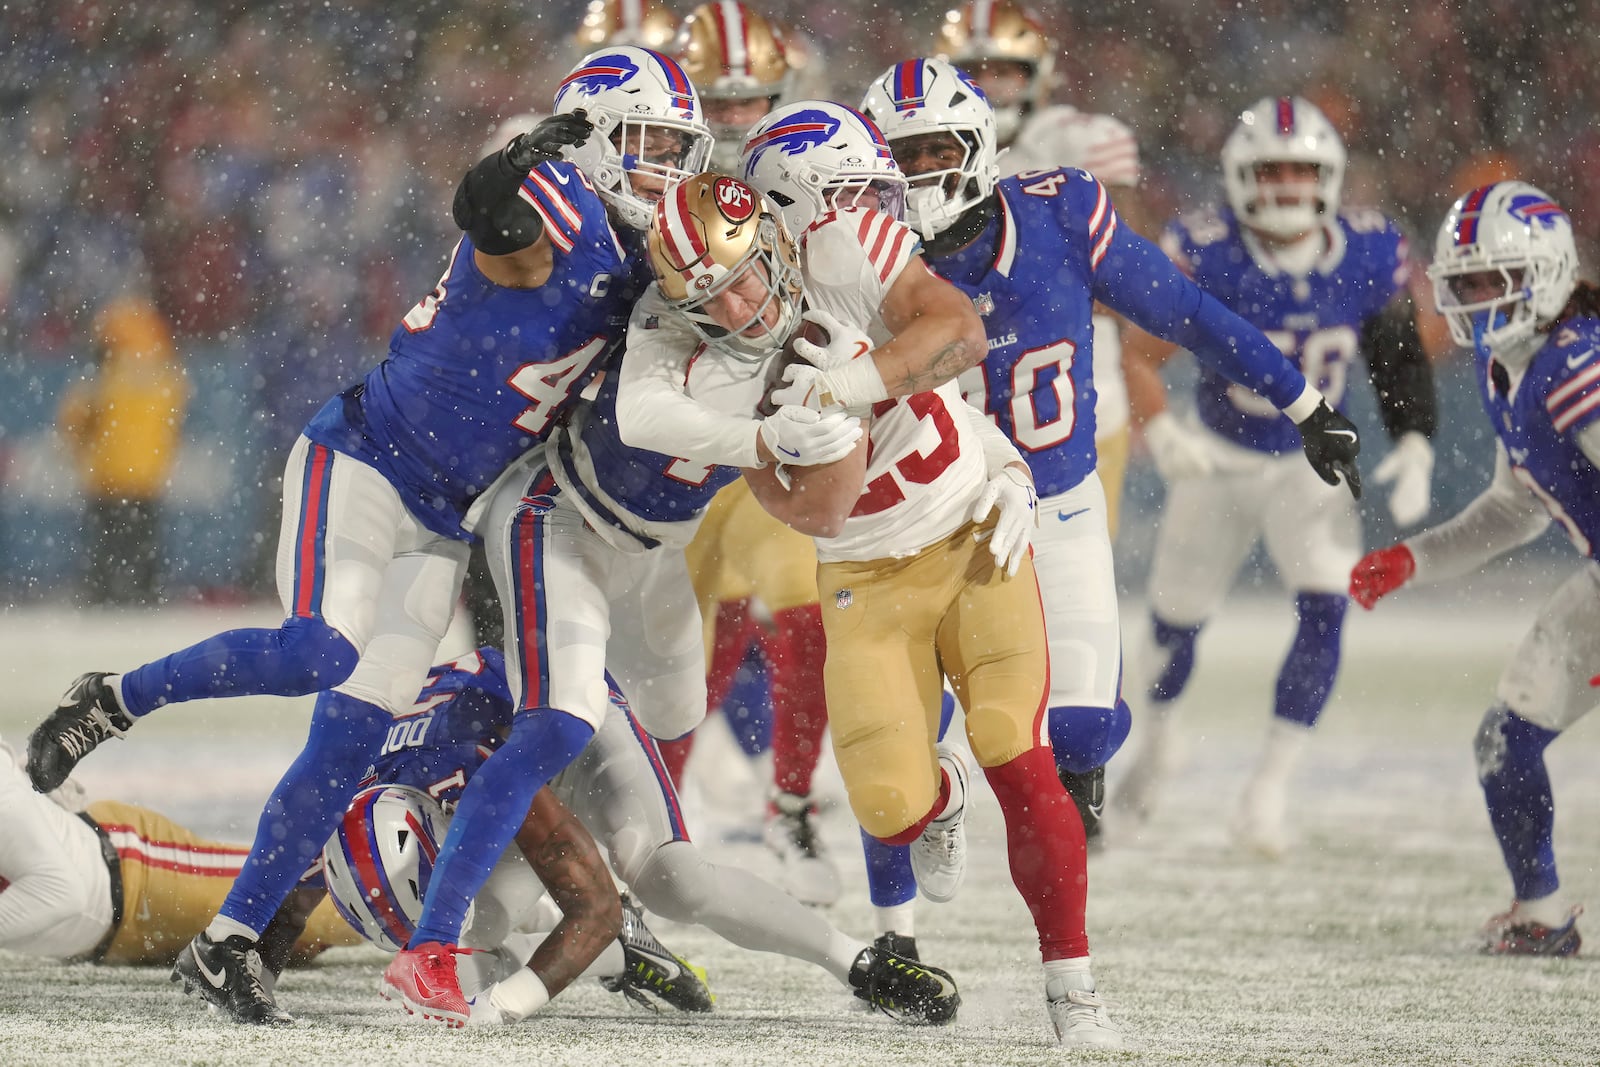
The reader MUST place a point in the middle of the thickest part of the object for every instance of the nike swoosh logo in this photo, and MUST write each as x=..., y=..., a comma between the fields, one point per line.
x=217, y=978
x=1065, y=515
x=1342, y=433
x=558, y=176
x=1574, y=362
x=791, y=453
x=1096, y=809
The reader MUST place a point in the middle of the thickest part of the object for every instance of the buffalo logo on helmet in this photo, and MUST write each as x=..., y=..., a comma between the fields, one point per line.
x=610, y=71
x=1529, y=208
x=735, y=200
x=800, y=131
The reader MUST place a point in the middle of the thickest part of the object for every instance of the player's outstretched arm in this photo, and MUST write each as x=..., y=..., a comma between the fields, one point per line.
x=506, y=231
x=567, y=861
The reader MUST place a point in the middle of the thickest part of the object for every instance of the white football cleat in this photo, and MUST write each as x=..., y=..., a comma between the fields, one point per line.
x=1079, y=1015
x=939, y=856
x=809, y=874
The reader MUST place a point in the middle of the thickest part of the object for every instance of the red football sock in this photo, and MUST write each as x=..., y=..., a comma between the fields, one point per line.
x=735, y=629
x=799, y=706
x=1044, y=840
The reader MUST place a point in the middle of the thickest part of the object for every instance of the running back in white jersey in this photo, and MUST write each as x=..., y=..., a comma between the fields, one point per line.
x=925, y=467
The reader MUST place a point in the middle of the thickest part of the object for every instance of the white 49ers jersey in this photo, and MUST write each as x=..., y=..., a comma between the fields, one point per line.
x=1062, y=136
x=925, y=465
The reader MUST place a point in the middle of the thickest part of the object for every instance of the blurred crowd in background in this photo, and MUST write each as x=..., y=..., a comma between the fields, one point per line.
x=266, y=187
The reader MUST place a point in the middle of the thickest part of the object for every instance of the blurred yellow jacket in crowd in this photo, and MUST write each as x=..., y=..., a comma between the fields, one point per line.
x=124, y=422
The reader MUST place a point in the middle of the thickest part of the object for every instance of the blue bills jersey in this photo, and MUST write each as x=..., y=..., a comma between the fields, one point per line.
x=478, y=373
x=1054, y=247
x=1539, y=419
x=1315, y=319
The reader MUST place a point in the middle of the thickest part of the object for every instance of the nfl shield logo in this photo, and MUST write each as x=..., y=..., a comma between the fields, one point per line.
x=841, y=599
x=984, y=303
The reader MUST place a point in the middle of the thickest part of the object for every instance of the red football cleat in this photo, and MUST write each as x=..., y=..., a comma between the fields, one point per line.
x=423, y=980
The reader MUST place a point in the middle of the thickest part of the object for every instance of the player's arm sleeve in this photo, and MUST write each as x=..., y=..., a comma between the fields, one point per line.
x=45, y=890
x=653, y=410
x=1588, y=442
x=1137, y=279
x=998, y=451
x=1502, y=517
x=1401, y=375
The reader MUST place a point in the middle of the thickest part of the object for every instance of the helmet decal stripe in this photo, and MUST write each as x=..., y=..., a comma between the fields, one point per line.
x=677, y=81
x=678, y=234
x=982, y=17
x=1467, y=227
x=731, y=30
x=908, y=85
x=1285, y=116
x=361, y=837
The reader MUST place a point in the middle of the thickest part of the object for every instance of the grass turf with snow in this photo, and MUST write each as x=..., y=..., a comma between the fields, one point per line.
x=1356, y=949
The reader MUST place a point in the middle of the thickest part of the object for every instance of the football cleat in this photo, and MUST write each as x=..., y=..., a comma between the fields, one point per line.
x=1505, y=935
x=87, y=715
x=1079, y=1015
x=228, y=975
x=939, y=855
x=1088, y=793
x=808, y=874
x=423, y=980
x=650, y=971
x=902, y=945
x=904, y=989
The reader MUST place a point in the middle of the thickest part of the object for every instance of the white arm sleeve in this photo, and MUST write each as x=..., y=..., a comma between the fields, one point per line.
x=654, y=411
x=1502, y=517
x=998, y=451
x=55, y=905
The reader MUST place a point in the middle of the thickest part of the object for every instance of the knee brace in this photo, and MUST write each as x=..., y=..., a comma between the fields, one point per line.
x=1176, y=643
x=1306, y=680
x=1083, y=738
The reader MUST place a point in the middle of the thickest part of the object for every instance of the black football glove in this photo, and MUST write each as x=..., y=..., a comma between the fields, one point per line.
x=545, y=141
x=1331, y=445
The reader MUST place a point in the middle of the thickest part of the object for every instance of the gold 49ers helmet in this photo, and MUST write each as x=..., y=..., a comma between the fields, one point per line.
x=646, y=23
x=723, y=259
x=1004, y=31
x=738, y=62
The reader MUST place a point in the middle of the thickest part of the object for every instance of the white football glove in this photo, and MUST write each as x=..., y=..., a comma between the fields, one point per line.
x=845, y=343
x=1178, y=451
x=1013, y=491
x=1409, y=465
x=802, y=437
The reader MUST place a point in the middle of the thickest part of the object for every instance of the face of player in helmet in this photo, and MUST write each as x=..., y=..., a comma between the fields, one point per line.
x=735, y=113
x=931, y=153
x=744, y=307
x=1004, y=81
x=660, y=151
x=1286, y=183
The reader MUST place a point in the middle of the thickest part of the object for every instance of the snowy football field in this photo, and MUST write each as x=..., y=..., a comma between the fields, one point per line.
x=1356, y=949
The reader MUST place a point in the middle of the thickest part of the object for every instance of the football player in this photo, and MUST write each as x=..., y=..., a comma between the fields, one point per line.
x=388, y=485
x=1005, y=49
x=1505, y=276
x=911, y=595
x=1325, y=284
x=116, y=883
x=585, y=541
x=1001, y=241
x=619, y=789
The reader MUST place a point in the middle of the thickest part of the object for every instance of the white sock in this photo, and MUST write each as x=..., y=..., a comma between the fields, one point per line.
x=1546, y=911
x=1071, y=974
x=519, y=996
x=223, y=927
x=897, y=919
x=958, y=792
x=1281, y=753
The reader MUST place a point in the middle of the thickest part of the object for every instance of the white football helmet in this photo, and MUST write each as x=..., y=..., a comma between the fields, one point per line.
x=1283, y=129
x=812, y=156
x=989, y=30
x=709, y=236
x=923, y=96
x=378, y=863
x=651, y=131
x=1512, y=230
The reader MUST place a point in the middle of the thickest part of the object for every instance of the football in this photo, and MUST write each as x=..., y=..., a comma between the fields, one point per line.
x=811, y=332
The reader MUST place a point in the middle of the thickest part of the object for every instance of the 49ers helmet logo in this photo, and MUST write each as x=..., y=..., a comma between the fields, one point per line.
x=735, y=200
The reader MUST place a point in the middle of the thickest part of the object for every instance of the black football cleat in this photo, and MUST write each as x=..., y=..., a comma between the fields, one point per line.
x=650, y=970
x=227, y=975
x=87, y=715
x=903, y=989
